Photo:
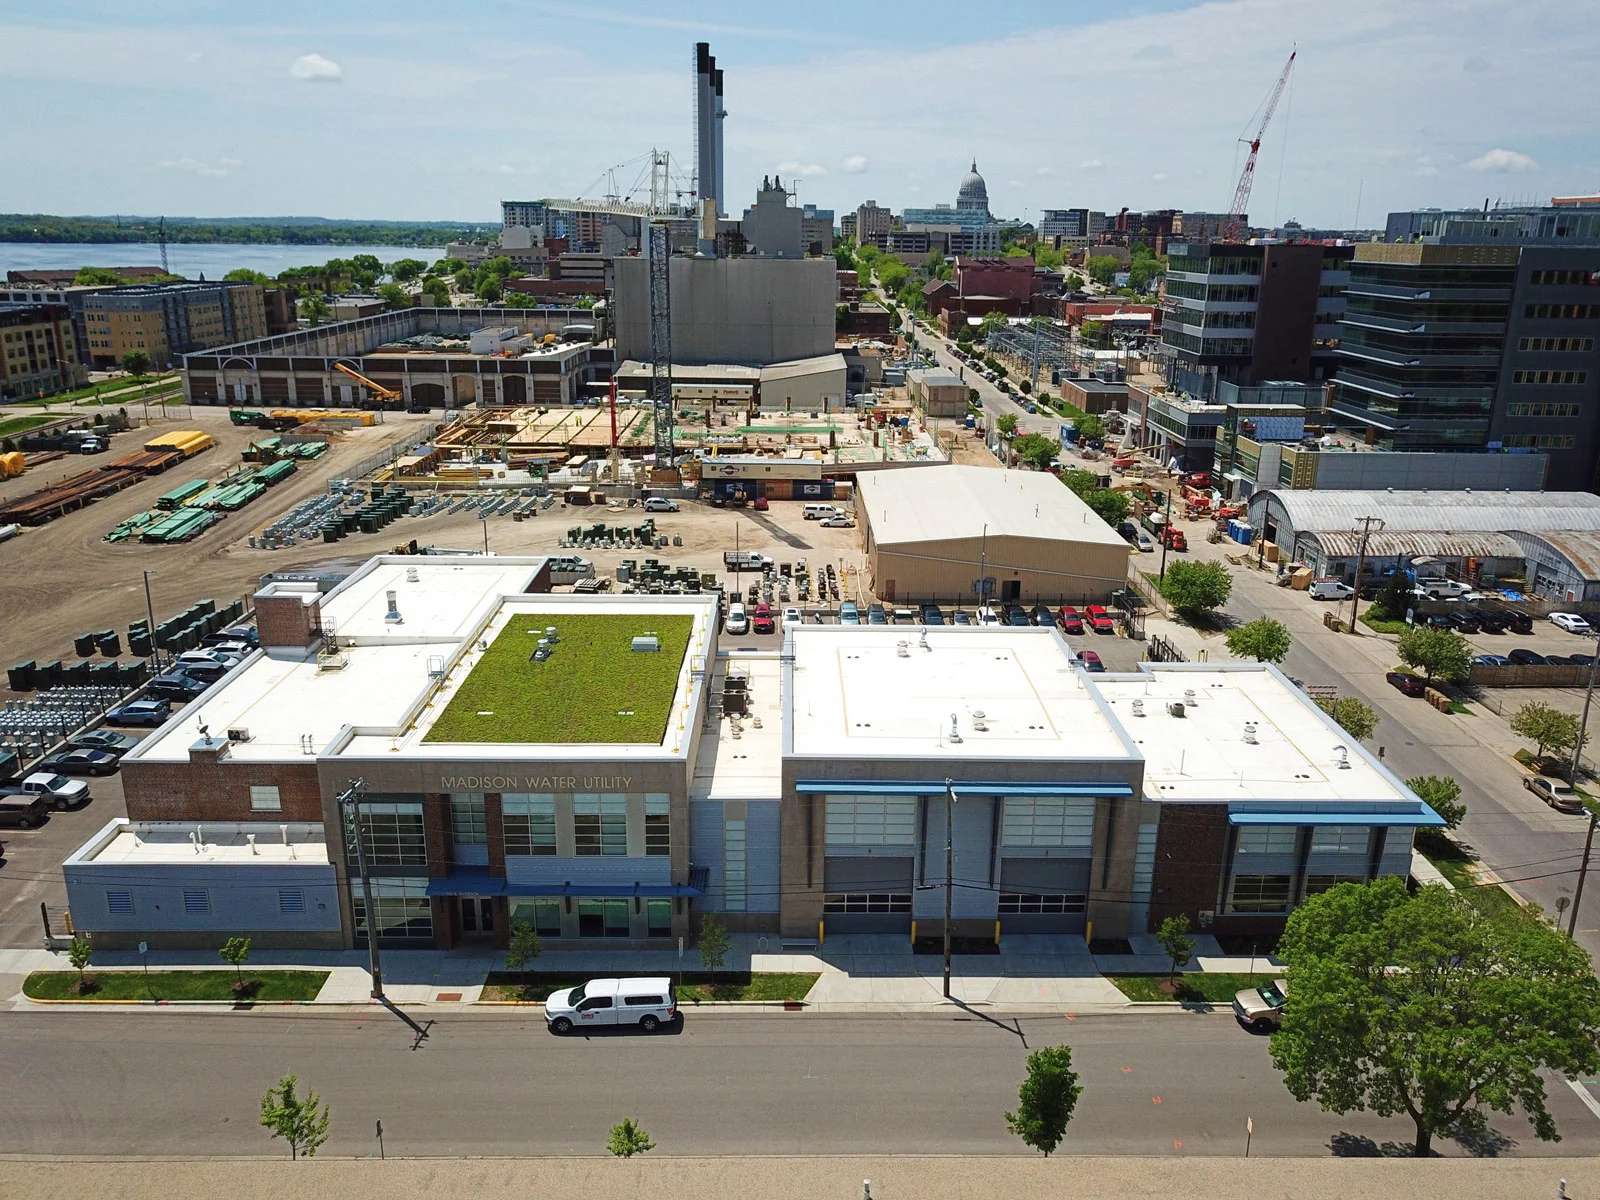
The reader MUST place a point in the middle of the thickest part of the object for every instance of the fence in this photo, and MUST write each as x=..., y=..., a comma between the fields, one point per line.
x=1162, y=650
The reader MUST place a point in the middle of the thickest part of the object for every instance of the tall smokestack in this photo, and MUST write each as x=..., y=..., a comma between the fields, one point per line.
x=718, y=117
x=705, y=125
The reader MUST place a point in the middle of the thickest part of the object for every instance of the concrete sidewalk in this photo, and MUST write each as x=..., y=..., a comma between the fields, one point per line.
x=857, y=973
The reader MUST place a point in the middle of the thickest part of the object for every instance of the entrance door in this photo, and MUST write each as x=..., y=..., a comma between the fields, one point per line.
x=477, y=915
x=1010, y=590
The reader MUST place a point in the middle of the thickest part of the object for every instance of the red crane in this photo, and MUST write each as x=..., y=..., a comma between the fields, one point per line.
x=1241, y=194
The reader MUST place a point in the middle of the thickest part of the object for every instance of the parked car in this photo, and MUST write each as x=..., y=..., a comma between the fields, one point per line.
x=1581, y=660
x=1070, y=619
x=1041, y=615
x=140, y=712
x=1330, y=589
x=1571, y=622
x=1492, y=660
x=1465, y=622
x=1099, y=619
x=660, y=504
x=961, y=618
x=762, y=620
x=760, y=504
x=1553, y=792
x=987, y=615
x=932, y=615
x=175, y=686
x=205, y=673
x=1518, y=621
x=839, y=522
x=56, y=790
x=1438, y=621
x=877, y=615
x=1142, y=540
x=1091, y=661
x=80, y=760
x=1490, y=621
x=238, y=633
x=848, y=614
x=738, y=620
x=648, y=1003
x=23, y=810
x=1016, y=615
x=793, y=616
x=1528, y=658
x=1409, y=685
x=1261, y=1008
x=103, y=739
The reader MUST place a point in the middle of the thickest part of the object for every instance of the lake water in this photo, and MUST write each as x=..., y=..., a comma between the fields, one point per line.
x=192, y=260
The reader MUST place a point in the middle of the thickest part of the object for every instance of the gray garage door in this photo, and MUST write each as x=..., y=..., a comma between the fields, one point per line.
x=1043, y=895
x=867, y=895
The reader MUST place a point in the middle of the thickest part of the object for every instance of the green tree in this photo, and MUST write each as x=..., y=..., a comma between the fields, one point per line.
x=302, y=1121
x=1263, y=639
x=1442, y=794
x=1427, y=1006
x=439, y=289
x=1439, y=652
x=522, y=949
x=991, y=322
x=1145, y=270
x=1193, y=588
x=489, y=287
x=236, y=952
x=1007, y=423
x=1036, y=450
x=136, y=362
x=1074, y=282
x=1351, y=715
x=1102, y=269
x=79, y=951
x=713, y=943
x=910, y=295
x=246, y=275
x=843, y=258
x=515, y=299
x=892, y=274
x=1173, y=935
x=1048, y=256
x=1094, y=334
x=628, y=1138
x=1046, y=1099
x=1025, y=387
x=407, y=269
x=1393, y=598
x=1091, y=426
x=1546, y=727
x=394, y=296
x=501, y=267
x=1081, y=481
x=315, y=310
x=1110, y=506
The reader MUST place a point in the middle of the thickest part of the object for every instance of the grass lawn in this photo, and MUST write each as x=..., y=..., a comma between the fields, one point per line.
x=1379, y=625
x=175, y=985
x=16, y=425
x=593, y=688
x=1455, y=866
x=697, y=985
x=1217, y=987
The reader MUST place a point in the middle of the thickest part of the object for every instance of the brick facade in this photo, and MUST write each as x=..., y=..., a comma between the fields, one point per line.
x=436, y=829
x=492, y=813
x=215, y=787
x=1191, y=845
x=287, y=620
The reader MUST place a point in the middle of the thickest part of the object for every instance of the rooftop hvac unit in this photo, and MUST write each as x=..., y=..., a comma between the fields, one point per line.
x=241, y=734
x=647, y=644
x=1177, y=709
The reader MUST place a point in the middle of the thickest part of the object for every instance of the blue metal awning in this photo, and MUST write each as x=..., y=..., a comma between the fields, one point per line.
x=1420, y=815
x=467, y=883
x=612, y=891
x=879, y=787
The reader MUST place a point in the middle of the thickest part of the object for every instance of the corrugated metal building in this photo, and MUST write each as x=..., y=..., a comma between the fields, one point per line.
x=1562, y=565
x=932, y=533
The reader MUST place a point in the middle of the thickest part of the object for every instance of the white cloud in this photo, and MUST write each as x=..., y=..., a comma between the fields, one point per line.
x=1015, y=183
x=1425, y=168
x=854, y=163
x=804, y=170
x=1090, y=164
x=1503, y=161
x=313, y=68
x=231, y=162
x=1158, y=176
x=1044, y=171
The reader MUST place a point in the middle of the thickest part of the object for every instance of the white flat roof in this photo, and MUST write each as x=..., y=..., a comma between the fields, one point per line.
x=959, y=502
x=444, y=602
x=1204, y=754
x=749, y=766
x=158, y=843
x=856, y=695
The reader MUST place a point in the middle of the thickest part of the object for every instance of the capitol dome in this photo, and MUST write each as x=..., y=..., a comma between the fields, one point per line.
x=974, y=193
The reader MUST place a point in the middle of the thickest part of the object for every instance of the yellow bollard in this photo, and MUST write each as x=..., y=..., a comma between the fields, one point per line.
x=1088, y=932
x=913, y=933
x=997, y=932
x=821, y=932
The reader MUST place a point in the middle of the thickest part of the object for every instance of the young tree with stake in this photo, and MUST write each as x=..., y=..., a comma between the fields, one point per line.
x=1176, y=942
x=302, y=1121
x=1046, y=1099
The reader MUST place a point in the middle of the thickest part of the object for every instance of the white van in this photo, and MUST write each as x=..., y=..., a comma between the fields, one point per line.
x=648, y=1003
x=821, y=512
x=1331, y=589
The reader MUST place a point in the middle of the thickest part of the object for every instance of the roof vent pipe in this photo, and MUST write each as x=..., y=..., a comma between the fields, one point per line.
x=1189, y=697
x=1344, y=757
x=955, y=732
x=1250, y=733
x=1138, y=708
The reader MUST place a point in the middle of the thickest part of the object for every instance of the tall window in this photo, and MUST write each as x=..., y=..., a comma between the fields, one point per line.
x=1047, y=821
x=603, y=918
x=530, y=823
x=401, y=907
x=871, y=820
x=391, y=835
x=469, y=825
x=543, y=915
x=735, y=866
x=600, y=824
x=1340, y=839
x=1259, y=893
x=1268, y=839
x=657, y=823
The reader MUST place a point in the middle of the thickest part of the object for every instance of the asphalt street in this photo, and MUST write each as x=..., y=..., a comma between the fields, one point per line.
x=496, y=1083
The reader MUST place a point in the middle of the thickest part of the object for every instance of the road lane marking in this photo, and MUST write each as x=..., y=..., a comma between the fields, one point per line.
x=1586, y=1096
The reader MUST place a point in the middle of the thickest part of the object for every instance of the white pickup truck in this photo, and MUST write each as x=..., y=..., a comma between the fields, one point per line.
x=56, y=790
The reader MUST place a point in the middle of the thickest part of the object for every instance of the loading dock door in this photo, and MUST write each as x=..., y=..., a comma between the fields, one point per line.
x=867, y=894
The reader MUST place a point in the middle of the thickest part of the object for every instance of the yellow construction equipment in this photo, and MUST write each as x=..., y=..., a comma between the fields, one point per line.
x=382, y=397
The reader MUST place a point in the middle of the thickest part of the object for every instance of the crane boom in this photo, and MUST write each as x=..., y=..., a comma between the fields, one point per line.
x=1241, y=193
x=386, y=397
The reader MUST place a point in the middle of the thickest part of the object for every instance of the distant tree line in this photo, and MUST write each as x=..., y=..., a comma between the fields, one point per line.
x=302, y=231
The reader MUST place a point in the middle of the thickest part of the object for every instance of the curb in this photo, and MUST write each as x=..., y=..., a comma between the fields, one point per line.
x=172, y=1003
x=786, y=1005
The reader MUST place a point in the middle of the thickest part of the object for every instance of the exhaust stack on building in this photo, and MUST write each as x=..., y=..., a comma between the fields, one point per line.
x=708, y=117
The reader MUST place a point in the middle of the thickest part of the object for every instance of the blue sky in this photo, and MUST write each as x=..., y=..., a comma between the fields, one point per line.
x=400, y=109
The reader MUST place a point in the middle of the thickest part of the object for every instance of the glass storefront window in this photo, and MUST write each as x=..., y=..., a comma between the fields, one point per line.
x=603, y=918
x=391, y=834
x=402, y=907
x=529, y=821
x=543, y=915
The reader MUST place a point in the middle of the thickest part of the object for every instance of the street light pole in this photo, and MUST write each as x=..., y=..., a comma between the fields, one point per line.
x=949, y=873
x=1594, y=814
x=150, y=611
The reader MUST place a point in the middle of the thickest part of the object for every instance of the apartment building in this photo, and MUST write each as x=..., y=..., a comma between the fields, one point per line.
x=38, y=352
x=167, y=320
x=74, y=296
x=873, y=224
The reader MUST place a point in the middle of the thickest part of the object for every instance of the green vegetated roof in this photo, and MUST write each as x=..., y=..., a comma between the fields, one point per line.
x=594, y=687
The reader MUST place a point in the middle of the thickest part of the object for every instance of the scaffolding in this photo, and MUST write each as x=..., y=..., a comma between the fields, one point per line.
x=660, y=250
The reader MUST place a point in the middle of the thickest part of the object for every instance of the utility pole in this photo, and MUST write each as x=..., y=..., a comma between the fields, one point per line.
x=1166, y=540
x=949, y=873
x=349, y=802
x=1366, y=524
x=150, y=611
x=1594, y=814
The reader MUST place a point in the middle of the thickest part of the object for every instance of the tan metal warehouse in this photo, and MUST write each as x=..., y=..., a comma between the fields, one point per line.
x=932, y=532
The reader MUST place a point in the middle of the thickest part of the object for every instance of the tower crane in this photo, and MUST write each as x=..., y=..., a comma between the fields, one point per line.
x=1241, y=193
